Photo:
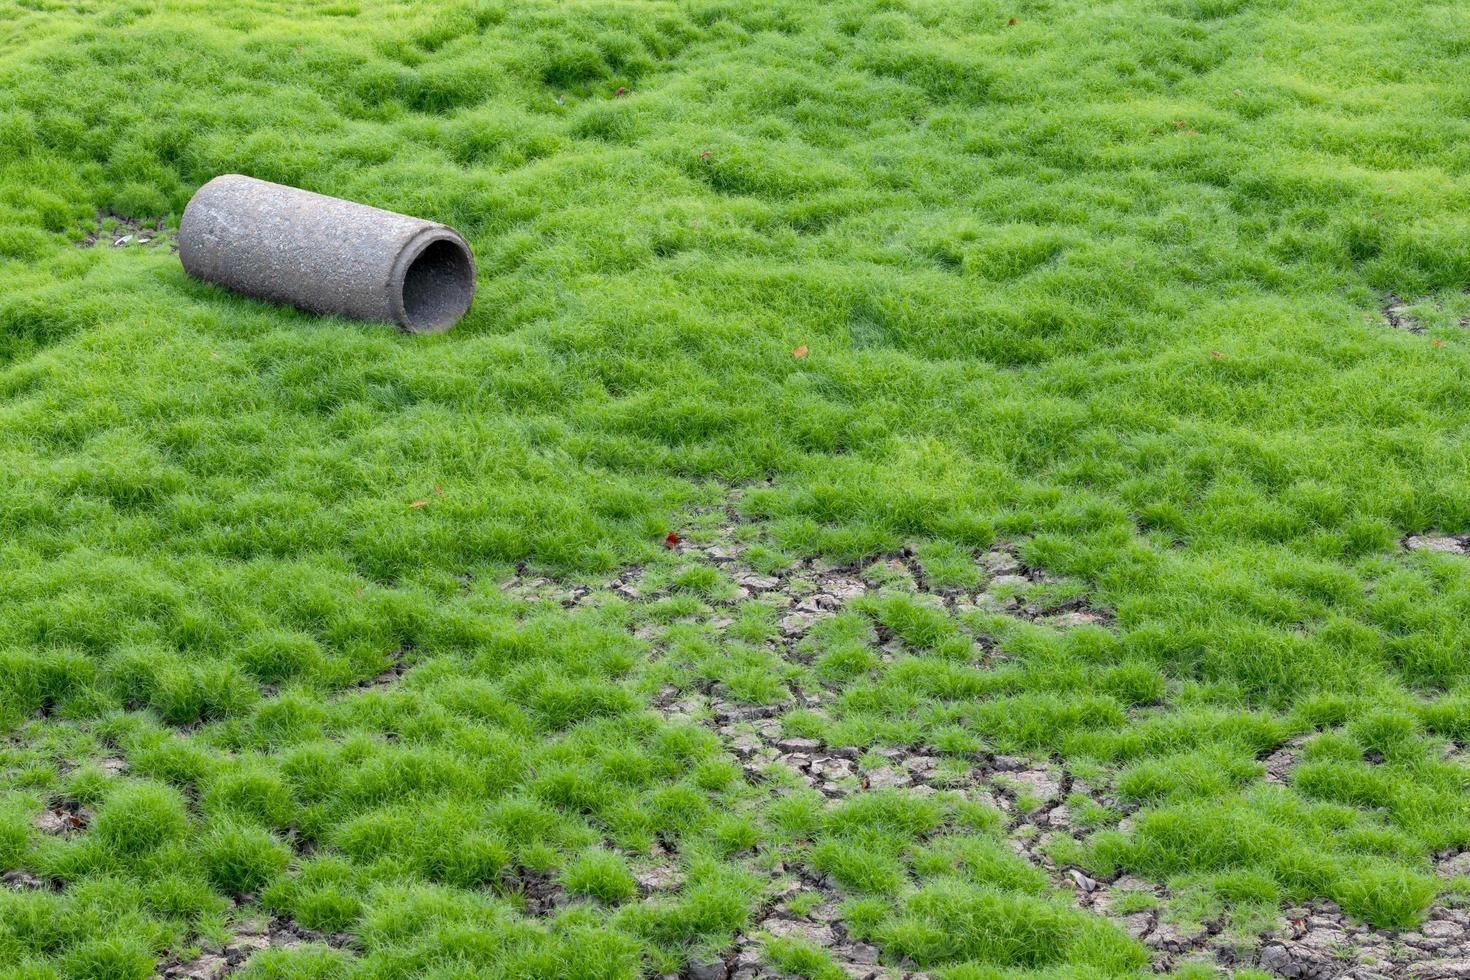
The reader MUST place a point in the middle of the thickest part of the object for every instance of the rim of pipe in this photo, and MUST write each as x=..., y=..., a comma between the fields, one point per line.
x=433, y=281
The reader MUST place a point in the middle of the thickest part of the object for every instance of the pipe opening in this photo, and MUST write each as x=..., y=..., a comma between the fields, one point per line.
x=438, y=286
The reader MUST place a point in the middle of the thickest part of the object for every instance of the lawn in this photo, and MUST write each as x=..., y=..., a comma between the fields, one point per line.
x=962, y=487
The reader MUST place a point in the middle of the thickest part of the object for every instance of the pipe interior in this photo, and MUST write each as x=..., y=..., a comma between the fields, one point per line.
x=438, y=286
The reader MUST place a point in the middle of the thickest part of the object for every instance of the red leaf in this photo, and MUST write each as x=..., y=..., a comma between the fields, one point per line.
x=800, y=352
x=671, y=540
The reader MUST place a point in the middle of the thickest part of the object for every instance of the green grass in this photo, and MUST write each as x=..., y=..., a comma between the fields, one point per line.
x=1104, y=281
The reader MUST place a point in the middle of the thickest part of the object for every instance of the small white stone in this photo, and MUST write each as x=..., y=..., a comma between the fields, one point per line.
x=1434, y=542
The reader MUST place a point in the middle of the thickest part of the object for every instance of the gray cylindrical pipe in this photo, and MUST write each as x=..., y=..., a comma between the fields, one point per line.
x=326, y=255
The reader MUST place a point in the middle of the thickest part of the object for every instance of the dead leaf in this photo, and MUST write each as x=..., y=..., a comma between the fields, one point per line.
x=1011, y=22
x=800, y=352
x=421, y=502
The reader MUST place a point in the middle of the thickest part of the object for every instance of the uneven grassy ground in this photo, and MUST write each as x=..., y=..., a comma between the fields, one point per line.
x=1132, y=346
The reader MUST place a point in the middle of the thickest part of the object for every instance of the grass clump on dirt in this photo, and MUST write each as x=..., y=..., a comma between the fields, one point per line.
x=1057, y=329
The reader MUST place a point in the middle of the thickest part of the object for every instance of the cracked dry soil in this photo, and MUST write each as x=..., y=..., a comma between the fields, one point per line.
x=1311, y=942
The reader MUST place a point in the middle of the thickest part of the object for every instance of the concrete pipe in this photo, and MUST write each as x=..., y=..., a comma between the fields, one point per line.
x=326, y=255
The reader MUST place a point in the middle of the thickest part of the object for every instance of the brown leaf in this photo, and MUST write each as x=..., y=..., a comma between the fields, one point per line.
x=801, y=352
x=419, y=503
